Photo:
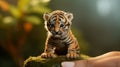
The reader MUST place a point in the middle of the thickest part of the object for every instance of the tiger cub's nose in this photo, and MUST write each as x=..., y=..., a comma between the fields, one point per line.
x=57, y=32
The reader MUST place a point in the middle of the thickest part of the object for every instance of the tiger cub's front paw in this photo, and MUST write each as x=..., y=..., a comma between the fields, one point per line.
x=48, y=55
x=73, y=55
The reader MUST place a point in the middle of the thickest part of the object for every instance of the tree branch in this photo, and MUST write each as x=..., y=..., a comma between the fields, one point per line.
x=54, y=62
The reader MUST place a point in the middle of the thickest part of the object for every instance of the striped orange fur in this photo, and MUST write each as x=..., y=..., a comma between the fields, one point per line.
x=60, y=40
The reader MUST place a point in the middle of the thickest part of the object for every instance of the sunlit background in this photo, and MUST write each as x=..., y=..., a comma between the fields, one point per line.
x=96, y=25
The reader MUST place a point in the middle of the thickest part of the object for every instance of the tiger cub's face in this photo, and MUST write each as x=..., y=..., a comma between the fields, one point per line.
x=58, y=22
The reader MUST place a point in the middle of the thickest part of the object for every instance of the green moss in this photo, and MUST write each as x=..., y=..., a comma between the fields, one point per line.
x=51, y=62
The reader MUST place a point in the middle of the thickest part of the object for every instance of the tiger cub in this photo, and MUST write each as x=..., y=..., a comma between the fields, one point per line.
x=60, y=40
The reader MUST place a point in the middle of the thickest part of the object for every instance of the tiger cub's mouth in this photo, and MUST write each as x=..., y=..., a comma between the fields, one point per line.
x=57, y=36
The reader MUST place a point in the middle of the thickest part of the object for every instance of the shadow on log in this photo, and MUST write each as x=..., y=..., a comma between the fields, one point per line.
x=53, y=62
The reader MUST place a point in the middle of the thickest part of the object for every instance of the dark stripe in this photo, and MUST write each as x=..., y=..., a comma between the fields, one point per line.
x=67, y=38
x=70, y=42
x=63, y=38
x=61, y=16
x=65, y=21
x=64, y=35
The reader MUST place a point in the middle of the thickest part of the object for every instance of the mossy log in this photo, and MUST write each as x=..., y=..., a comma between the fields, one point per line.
x=53, y=62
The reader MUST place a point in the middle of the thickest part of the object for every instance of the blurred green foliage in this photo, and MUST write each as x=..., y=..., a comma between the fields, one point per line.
x=27, y=10
x=21, y=28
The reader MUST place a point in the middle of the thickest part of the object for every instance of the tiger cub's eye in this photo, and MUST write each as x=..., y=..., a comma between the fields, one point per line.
x=51, y=25
x=62, y=25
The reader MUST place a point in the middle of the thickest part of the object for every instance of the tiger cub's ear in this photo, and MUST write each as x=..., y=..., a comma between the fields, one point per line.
x=46, y=16
x=69, y=16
